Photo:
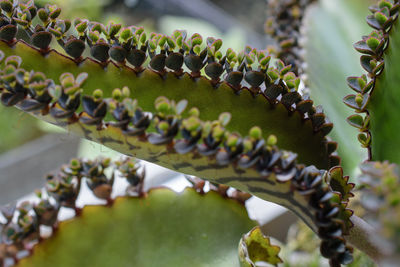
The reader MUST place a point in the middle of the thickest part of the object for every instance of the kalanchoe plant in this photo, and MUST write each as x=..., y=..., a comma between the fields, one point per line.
x=233, y=118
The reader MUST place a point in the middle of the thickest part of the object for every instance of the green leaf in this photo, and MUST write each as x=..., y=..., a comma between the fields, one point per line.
x=161, y=229
x=255, y=247
x=294, y=133
x=330, y=59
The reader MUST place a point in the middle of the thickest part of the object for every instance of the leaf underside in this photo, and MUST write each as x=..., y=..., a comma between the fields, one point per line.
x=162, y=229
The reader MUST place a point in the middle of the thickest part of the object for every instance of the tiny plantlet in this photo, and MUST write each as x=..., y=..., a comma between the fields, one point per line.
x=235, y=119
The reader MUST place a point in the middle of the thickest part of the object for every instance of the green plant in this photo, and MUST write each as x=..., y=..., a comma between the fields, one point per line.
x=230, y=118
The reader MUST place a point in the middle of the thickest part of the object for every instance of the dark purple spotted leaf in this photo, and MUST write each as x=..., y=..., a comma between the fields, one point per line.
x=8, y=32
x=136, y=57
x=291, y=98
x=273, y=91
x=41, y=40
x=351, y=102
x=254, y=78
x=74, y=47
x=118, y=53
x=157, y=63
x=234, y=78
x=304, y=105
x=318, y=119
x=10, y=99
x=193, y=62
x=100, y=51
x=379, y=22
x=326, y=128
x=31, y=105
x=362, y=47
x=356, y=121
x=174, y=61
x=214, y=70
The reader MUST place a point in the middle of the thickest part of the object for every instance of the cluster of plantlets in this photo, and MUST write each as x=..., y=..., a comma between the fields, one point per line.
x=22, y=227
x=283, y=24
x=373, y=47
x=161, y=130
x=132, y=45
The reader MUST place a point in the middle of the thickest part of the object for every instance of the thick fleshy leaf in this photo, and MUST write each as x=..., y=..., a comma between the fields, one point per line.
x=161, y=229
x=308, y=141
x=330, y=59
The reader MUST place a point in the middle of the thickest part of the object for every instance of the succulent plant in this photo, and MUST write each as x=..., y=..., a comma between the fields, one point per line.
x=238, y=119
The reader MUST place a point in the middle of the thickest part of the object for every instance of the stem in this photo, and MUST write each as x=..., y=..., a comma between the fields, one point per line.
x=364, y=237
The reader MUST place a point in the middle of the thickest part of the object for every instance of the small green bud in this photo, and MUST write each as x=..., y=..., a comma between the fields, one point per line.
x=81, y=27
x=138, y=30
x=232, y=140
x=113, y=29
x=217, y=44
x=289, y=76
x=280, y=65
x=197, y=49
x=272, y=140
x=152, y=44
x=117, y=94
x=218, y=132
x=359, y=100
x=171, y=43
x=162, y=41
x=68, y=82
x=13, y=60
x=247, y=145
x=179, y=41
x=197, y=39
x=273, y=74
x=380, y=17
x=126, y=92
x=255, y=132
x=106, y=162
x=249, y=60
x=94, y=36
x=74, y=164
x=285, y=70
x=163, y=125
x=98, y=94
x=142, y=38
x=373, y=43
x=126, y=33
x=163, y=107
x=55, y=13
x=373, y=63
x=385, y=3
x=194, y=112
x=265, y=61
x=98, y=27
x=191, y=124
x=362, y=81
x=218, y=55
x=112, y=105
